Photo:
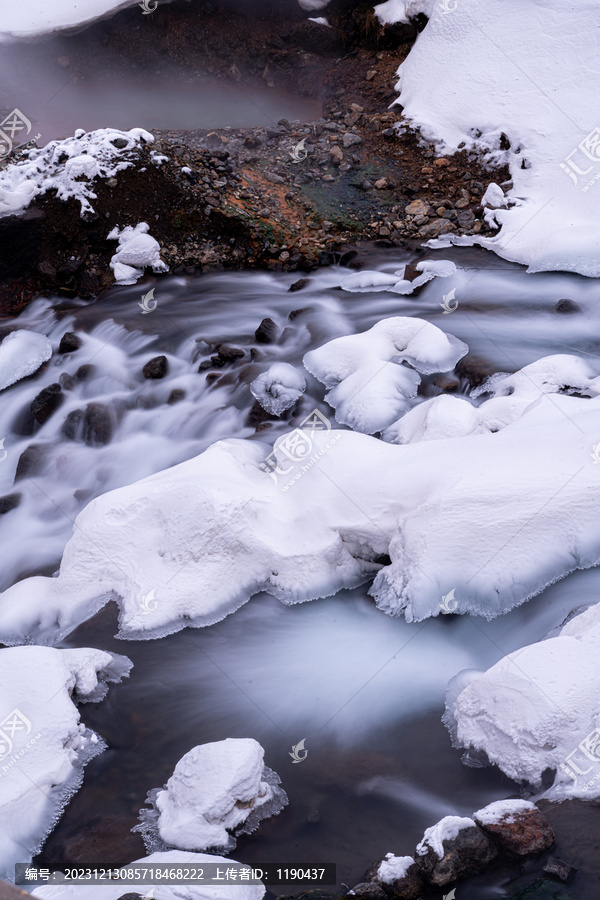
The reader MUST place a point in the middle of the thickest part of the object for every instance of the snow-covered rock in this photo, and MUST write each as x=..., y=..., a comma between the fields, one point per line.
x=366, y=281
x=278, y=388
x=68, y=167
x=215, y=789
x=494, y=517
x=235, y=890
x=447, y=829
x=528, y=713
x=368, y=386
x=435, y=419
x=548, y=121
x=393, y=868
x=43, y=745
x=137, y=250
x=22, y=353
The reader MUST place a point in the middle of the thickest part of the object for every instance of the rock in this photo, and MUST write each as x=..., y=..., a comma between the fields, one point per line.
x=466, y=219
x=84, y=372
x=265, y=212
x=298, y=285
x=518, y=832
x=474, y=369
x=381, y=184
x=156, y=368
x=351, y=140
x=398, y=886
x=66, y=381
x=441, y=163
x=273, y=178
x=97, y=425
x=47, y=402
x=70, y=428
x=257, y=416
x=417, y=208
x=446, y=383
x=566, y=306
x=371, y=74
x=366, y=185
x=337, y=157
x=347, y=257
x=433, y=229
x=326, y=258
x=266, y=333
x=69, y=342
x=30, y=461
x=131, y=896
x=469, y=853
x=119, y=143
x=229, y=354
x=411, y=272
x=46, y=268
x=8, y=502
x=369, y=891
x=559, y=869
x=176, y=395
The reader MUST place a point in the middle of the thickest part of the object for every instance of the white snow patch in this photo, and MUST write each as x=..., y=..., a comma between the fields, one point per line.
x=313, y=5
x=43, y=746
x=22, y=353
x=68, y=166
x=447, y=829
x=502, y=810
x=403, y=10
x=320, y=21
x=278, y=388
x=136, y=251
x=394, y=867
x=363, y=282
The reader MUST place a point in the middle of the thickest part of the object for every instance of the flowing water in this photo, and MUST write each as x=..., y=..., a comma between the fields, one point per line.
x=365, y=691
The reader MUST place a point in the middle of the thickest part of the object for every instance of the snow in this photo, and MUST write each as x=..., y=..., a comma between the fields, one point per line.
x=136, y=251
x=21, y=354
x=506, y=810
x=435, y=419
x=176, y=858
x=394, y=867
x=448, y=87
x=68, y=166
x=214, y=790
x=313, y=5
x=365, y=281
x=494, y=517
x=446, y=829
x=43, y=745
x=31, y=17
x=368, y=388
x=278, y=388
x=320, y=21
x=528, y=713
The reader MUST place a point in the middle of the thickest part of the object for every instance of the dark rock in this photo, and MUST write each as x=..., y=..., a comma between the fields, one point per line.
x=298, y=285
x=89, y=284
x=131, y=896
x=326, y=258
x=559, y=869
x=8, y=502
x=46, y=268
x=566, y=306
x=205, y=364
x=119, y=143
x=347, y=257
x=408, y=888
x=520, y=833
x=66, y=381
x=175, y=396
x=411, y=272
x=369, y=891
x=47, y=402
x=156, y=367
x=84, y=372
x=298, y=312
x=229, y=354
x=97, y=425
x=266, y=333
x=469, y=853
x=446, y=383
x=257, y=416
x=71, y=425
x=30, y=461
x=474, y=369
x=465, y=218
x=69, y=342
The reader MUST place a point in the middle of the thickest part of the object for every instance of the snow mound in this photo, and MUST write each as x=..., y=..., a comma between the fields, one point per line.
x=237, y=890
x=393, y=868
x=278, y=388
x=541, y=124
x=313, y=5
x=493, y=517
x=528, y=713
x=435, y=419
x=21, y=354
x=363, y=282
x=446, y=829
x=68, y=167
x=215, y=789
x=369, y=387
x=502, y=810
x=136, y=251
x=43, y=745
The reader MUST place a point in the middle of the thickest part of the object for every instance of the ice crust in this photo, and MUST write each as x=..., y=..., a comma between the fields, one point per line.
x=21, y=354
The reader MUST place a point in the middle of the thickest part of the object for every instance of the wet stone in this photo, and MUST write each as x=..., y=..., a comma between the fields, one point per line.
x=369, y=891
x=69, y=343
x=266, y=333
x=298, y=285
x=30, y=461
x=566, y=306
x=176, y=395
x=47, y=402
x=71, y=425
x=97, y=425
x=9, y=502
x=559, y=869
x=229, y=354
x=156, y=367
x=85, y=372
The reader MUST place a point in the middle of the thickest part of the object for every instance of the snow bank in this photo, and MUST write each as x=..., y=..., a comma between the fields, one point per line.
x=493, y=517
x=528, y=713
x=393, y=868
x=234, y=891
x=137, y=250
x=215, y=789
x=446, y=829
x=22, y=353
x=30, y=17
x=368, y=387
x=278, y=388
x=43, y=745
x=449, y=88
x=69, y=167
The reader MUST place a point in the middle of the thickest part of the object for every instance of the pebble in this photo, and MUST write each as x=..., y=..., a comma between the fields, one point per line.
x=351, y=140
x=417, y=208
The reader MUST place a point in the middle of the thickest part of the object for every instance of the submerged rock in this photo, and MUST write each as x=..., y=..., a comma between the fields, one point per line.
x=69, y=342
x=156, y=368
x=47, y=402
x=266, y=333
